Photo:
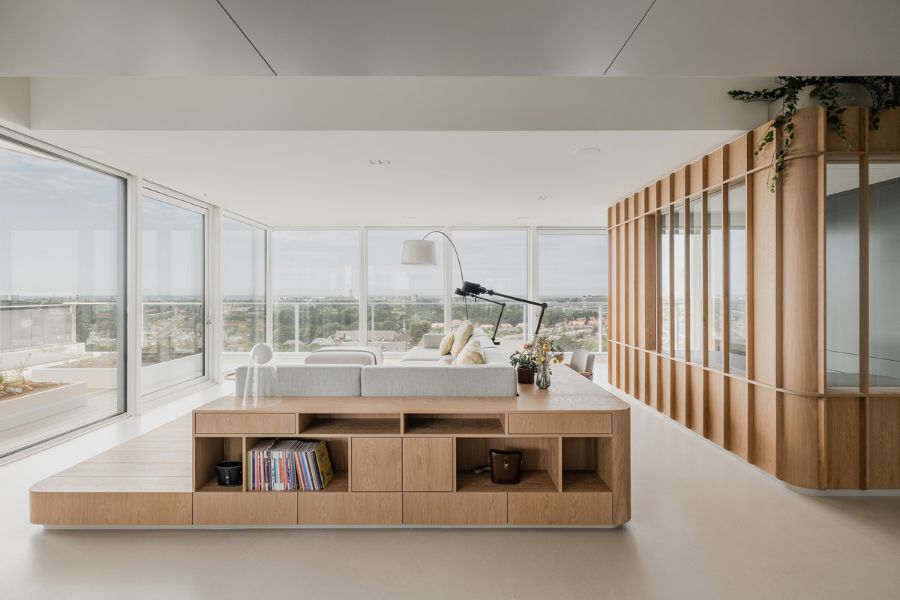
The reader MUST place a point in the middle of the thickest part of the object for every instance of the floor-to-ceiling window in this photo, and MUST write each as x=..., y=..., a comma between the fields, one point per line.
x=173, y=275
x=665, y=283
x=572, y=277
x=695, y=274
x=884, y=275
x=679, y=275
x=842, y=280
x=737, y=278
x=404, y=301
x=243, y=288
x=315, y=289
x=716, y=268
x=498, y=260
x=62, y=274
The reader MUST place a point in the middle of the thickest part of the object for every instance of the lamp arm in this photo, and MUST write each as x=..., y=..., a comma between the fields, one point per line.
x=543, y=306
x=455, y=251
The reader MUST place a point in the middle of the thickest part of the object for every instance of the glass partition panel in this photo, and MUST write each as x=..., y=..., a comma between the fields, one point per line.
x=884, y=275
x=173, y=309
x=737, y=278
x=405, y=301
x=315, y=289
x=696, y=278
x=573, y=280
x=716, y=268
x=243, y=290
x=842, y=275
x=498, y=260
x=664, y=284
x=62, y=354
x=679, y=272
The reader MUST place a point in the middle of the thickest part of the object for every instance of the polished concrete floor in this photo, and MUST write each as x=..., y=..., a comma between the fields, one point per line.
x=704, y=525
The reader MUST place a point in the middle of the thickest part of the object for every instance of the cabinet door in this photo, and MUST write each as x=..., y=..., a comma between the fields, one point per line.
x=428, y=464
x=376, y=465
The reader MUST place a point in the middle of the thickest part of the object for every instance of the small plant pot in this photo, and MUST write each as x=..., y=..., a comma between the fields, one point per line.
x=525, y=375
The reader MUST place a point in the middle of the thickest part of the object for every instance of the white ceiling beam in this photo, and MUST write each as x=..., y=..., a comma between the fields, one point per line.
x=391, y=103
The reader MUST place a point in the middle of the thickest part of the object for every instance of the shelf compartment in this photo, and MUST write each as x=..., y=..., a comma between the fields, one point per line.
x=584, y=462
x=454, y=424
x=210, y=450
x=540, y=457
x=338, y=452
x=530, y=481
x=349, y=424
x=213, y=486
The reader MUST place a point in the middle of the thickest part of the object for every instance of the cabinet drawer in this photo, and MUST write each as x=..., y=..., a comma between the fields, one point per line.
x=356, y=508
x=427, y=465
x=246, y=423
x=588, y=508
x=376, y=464
x=560, y=423
x=454, y=508
x=245, y=508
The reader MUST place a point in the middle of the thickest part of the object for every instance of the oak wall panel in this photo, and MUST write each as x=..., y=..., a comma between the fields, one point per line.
x=666, y=378
x=800, y=441
x=840, y=443
x=764, y=222
x=737, y=438
x=715, y=408
x=696, y=398
x=883, y=443
x=764, y=428
x=680, y=404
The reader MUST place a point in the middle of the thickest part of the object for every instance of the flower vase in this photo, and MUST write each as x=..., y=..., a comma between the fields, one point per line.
x=543, y=376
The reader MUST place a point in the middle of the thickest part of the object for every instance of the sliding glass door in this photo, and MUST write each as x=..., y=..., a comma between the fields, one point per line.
x=62, y=294
x=173, y=310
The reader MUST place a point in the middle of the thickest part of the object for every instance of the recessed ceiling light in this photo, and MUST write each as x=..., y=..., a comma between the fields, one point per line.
x=376, y=162
x=587, y=151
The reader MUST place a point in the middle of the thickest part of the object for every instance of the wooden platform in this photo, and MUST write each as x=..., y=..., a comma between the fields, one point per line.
x=145, y=481
x=398, y=461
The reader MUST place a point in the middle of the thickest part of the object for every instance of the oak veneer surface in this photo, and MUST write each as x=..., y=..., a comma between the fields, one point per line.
x=560, y=509
x=357, y=508
x=427, y=464
x=459, y=508
x=376, y=464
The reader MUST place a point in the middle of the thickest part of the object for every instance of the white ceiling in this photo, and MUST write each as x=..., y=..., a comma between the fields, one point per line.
x=439, y=37
x=469, y=150
x=434, y=178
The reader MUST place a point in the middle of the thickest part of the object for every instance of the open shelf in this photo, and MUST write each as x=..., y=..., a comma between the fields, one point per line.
x=213, y=486
x=583, y=481
x=460, y=425
x=339, y=483
x=531, y=481
x=324, y=425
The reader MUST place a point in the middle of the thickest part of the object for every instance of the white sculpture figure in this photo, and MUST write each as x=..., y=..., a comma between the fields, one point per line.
x=262, y=376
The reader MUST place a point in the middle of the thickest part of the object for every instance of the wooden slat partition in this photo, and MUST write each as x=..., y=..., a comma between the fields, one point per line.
x=777, y=412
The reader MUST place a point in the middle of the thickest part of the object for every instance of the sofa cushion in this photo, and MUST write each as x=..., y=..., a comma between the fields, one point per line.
x=417, y=353
x=311, y=380
x=461, y=337
x=421, y=381
x=446, y=344
x=346, y=355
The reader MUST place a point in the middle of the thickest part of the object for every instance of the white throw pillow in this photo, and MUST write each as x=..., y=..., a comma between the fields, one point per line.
x=461, y=337
x=445, y=361
x=446, y=344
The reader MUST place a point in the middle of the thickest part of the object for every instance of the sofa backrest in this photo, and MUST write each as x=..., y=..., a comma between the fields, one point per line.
x=310, y=380
x=424, y=380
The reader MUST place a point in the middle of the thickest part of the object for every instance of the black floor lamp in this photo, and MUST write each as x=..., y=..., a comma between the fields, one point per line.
x=422, y=252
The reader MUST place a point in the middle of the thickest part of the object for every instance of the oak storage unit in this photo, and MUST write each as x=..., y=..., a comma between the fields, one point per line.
x=397, y=461
x=408, y=461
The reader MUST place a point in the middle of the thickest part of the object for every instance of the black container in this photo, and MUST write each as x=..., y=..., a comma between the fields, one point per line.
x=230, y=472
x=506, y=466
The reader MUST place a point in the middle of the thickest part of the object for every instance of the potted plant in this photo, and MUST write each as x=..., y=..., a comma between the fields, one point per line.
x=545, y=352
x=525, y=363
x=833, y=93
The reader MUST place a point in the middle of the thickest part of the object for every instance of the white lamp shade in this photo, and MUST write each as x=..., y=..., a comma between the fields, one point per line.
x=418, y=252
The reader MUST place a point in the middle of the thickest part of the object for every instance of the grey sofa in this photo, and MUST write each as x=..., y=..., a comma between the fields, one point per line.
x=416, y=375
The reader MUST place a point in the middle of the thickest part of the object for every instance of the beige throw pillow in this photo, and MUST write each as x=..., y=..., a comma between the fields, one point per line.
x=470, y=355
x=445, y=361
x=446, y=344
x=461, y=337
